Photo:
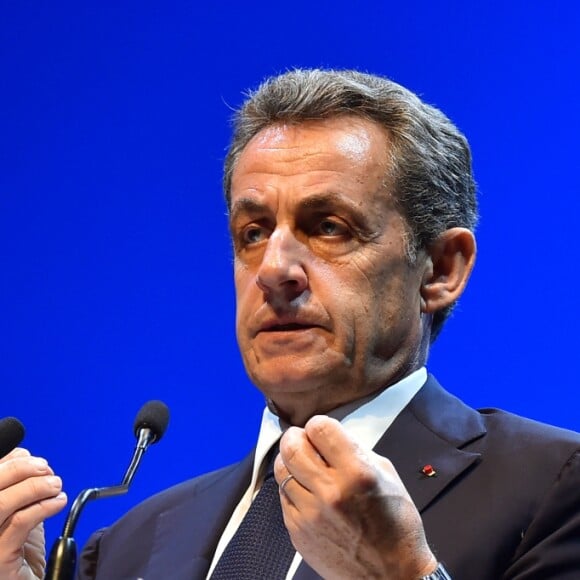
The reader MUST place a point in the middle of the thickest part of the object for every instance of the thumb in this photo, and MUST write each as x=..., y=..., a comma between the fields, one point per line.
x=35, y=551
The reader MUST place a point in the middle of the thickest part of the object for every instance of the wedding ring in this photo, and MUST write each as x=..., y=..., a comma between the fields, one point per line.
x=285, y=482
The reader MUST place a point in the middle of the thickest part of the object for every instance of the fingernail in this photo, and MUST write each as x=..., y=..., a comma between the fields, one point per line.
x=19, y=452
x=54, y=481
x=60, y=498
x=40, y=463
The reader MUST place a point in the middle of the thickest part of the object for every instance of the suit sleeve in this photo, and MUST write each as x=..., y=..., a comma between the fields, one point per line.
x=87, y=568
x=550, y=547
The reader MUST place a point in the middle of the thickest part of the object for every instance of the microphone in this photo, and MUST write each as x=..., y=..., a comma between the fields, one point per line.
x=149, y=427
x=11, y=434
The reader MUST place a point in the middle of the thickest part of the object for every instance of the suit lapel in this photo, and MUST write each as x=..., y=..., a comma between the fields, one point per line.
x=432, y=430
x=203, y=515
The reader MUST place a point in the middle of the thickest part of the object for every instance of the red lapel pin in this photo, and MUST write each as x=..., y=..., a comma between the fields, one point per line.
x=428, y=470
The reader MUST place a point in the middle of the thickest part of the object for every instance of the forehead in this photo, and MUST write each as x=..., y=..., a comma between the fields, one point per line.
x=349, y=153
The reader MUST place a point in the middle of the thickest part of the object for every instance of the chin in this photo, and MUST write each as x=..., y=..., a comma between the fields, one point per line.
x=285, y=379
x=277, y=381
x=284, y=383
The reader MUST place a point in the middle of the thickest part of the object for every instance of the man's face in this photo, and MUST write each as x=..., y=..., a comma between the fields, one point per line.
x=328, y=305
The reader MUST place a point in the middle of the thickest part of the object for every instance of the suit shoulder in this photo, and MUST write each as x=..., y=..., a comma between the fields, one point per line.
x=518, y=445
x=528, y=431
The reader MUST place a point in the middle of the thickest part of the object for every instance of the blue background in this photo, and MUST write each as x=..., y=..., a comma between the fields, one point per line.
x=115, y=260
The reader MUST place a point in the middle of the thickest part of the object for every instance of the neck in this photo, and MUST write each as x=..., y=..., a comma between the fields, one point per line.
x=299, y=414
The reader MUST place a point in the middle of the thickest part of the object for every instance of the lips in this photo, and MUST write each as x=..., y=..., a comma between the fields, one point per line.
x=286, y=327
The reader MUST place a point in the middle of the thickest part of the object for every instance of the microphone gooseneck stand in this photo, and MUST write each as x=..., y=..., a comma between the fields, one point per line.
x=149, y=428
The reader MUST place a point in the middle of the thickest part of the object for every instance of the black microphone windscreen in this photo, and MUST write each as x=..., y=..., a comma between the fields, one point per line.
x=11, y=434
x=153, y=415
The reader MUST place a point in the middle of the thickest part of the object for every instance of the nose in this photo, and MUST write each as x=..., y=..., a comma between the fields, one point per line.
x=281, y=273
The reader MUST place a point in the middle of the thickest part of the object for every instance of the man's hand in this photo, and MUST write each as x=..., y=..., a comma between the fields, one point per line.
x=29, y=493
x=347, y=510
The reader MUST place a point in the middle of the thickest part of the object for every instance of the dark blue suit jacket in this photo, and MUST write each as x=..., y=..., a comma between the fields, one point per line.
x=505, y=502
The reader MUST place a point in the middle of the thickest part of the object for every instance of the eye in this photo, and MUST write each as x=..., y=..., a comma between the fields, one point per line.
x=331, y=228
x=253, y=234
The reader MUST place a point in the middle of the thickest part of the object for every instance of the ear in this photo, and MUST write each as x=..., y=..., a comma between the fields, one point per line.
x=449, y=263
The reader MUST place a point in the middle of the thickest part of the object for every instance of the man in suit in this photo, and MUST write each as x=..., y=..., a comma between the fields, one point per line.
x=352, y=209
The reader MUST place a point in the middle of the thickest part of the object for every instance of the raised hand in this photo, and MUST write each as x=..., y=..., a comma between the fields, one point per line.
x=29, y=493
x=346, y=509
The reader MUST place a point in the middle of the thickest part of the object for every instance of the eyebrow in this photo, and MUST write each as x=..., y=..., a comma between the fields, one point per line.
x=320, y=201
x=331, y=202
x=246, y=205
x=323, y=201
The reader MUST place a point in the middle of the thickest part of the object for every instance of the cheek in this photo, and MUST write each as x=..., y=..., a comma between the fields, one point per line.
x=384, y=297
x=398, y=303
x=243, y=282
x=348, y=306
x=244, y=285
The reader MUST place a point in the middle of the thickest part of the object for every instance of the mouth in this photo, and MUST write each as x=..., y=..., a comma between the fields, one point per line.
x=287, y=327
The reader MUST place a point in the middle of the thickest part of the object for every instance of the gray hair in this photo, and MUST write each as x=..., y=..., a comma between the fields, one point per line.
x=431, y=161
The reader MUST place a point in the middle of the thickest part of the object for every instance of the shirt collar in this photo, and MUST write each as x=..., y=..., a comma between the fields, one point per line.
x=366, y=420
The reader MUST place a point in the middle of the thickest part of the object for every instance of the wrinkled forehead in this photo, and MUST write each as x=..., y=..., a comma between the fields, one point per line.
x=349, y=143
x=353, y=137
x=348, y=136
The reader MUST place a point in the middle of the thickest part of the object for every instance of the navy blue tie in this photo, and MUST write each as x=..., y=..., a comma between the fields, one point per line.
x=261, y=548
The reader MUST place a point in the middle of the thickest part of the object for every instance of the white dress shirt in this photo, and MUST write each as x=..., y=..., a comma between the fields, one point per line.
x=365, y=420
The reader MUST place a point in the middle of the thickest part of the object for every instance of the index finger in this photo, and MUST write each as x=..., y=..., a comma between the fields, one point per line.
x=16, y=452
x=332, y=442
